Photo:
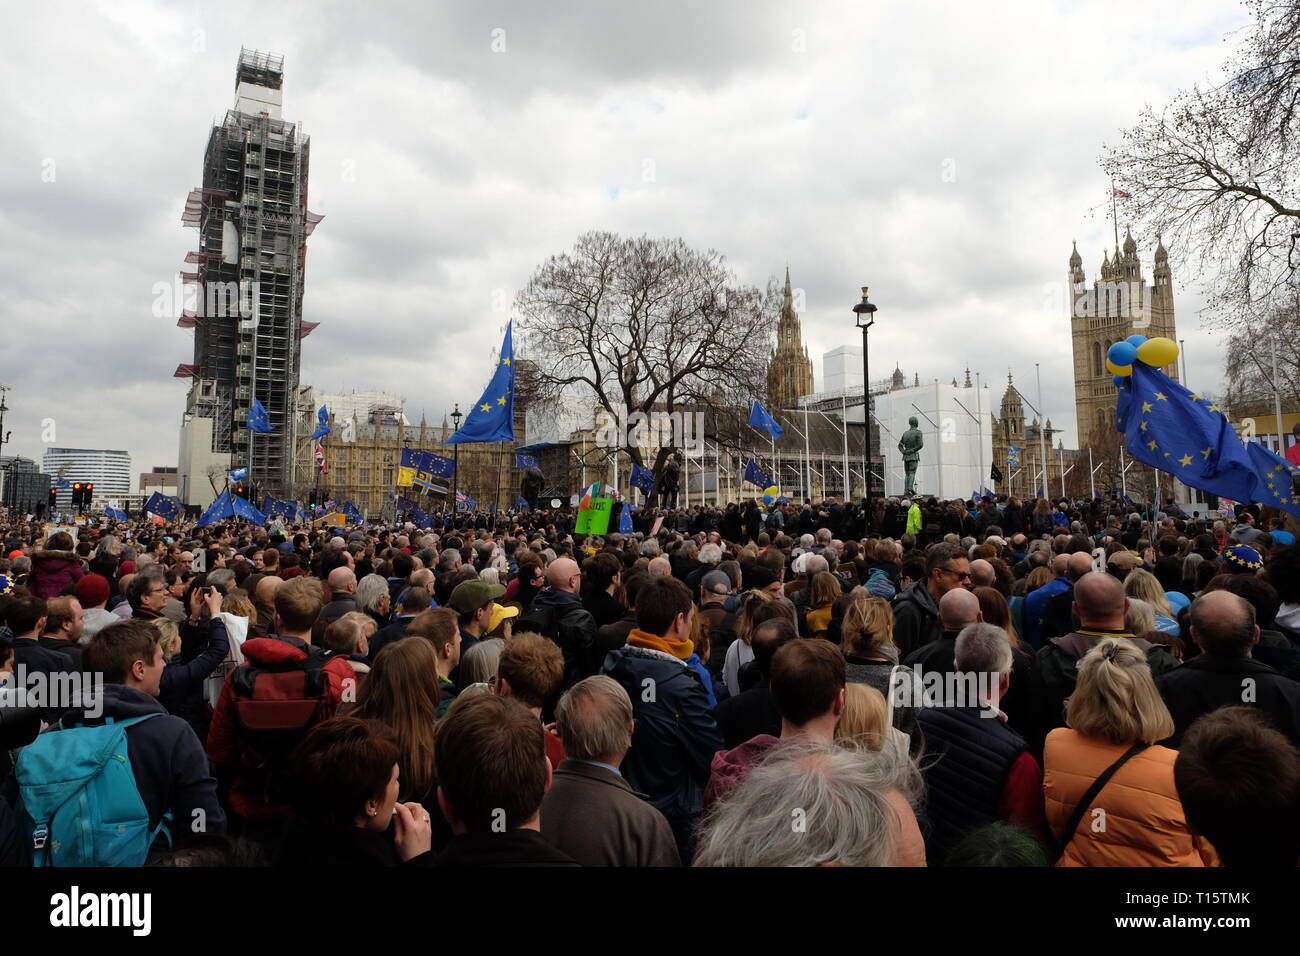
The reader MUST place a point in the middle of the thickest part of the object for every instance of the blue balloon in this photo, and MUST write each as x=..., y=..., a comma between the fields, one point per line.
x=1119, y=380
x=1135, y=341
x=1123, y=353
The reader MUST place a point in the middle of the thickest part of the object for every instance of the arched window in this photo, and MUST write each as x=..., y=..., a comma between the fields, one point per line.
x=1102, y=422
x=1096, y=358
x=1119, y=301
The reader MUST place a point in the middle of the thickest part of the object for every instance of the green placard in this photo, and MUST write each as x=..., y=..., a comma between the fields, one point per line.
x=595, y=520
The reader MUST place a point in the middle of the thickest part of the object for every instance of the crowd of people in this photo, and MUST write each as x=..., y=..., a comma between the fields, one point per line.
x=918, y=683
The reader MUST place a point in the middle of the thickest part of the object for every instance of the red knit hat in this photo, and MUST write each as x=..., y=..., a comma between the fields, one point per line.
x=92, y=590
x=126, y=567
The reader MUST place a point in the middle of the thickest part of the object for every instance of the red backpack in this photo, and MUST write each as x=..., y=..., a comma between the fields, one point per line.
x=274, y=706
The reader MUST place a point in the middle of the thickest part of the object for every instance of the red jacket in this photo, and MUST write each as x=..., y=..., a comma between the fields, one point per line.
x=225, y=747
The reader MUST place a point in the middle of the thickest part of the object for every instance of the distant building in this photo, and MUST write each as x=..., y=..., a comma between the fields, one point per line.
x=164, y=480
x=23, y=487
x=789, y=371
x=108, y=469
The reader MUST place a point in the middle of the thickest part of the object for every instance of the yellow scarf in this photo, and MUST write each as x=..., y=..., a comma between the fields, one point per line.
x=678, y=649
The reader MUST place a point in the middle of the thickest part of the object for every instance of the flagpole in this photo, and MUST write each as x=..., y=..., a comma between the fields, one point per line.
x=844, y=424
x=807, y=454
x=1092, y=487
x=979, y=431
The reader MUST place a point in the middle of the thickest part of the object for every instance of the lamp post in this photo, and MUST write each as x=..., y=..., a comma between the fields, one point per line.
x=456, y=416
x=864, y=314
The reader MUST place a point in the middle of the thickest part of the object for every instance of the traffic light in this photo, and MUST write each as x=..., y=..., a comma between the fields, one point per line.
x=76, y=495
x=311, y=499
x=240, y=491
x=54, y=499
x=87, y=490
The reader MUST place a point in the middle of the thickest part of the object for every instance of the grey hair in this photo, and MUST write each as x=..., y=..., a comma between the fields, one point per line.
x=811, y=804
x=490, y=575
x=806, y=541
x=370, y=591
x=480, y=662
x=593, y=718
x=983, y=649
x=711, y=553
x=142, y=582
x=823, y=535
x=1140, y=616
x=649, y=548
x=449, y=560
x=221, y=577
x=814, y=563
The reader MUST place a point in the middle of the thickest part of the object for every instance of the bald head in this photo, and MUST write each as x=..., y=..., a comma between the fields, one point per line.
x=563, y=575
x=1223, y=624
x=423, y=578
x=266, y=589
x=1060, y=565
x=982, y=574
x=1080, y=563
x=1099, y=600
x=957, y=608
x=342, y=581
x=660, y=567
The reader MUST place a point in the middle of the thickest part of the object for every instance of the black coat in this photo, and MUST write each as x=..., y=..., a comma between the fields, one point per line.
x=747, y=715
x=317, y=846
x=560, y=616
x=1207, y=682
x=512, y=848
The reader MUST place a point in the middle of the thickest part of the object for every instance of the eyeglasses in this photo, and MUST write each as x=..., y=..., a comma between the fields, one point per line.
x=961, y=575
x=161, y=590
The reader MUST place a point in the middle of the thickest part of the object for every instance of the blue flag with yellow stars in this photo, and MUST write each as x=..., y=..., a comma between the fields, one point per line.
x=259, y=420
x=493, y=417
x=1181, y=433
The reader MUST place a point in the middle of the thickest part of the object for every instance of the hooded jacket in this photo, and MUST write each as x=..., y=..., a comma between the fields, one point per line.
x=916, y=618
x=167, y=758
x=676, y=735
x=53, y=572
x=225, y=745
x=182, y=684
x=730, y=767
x=560, y=616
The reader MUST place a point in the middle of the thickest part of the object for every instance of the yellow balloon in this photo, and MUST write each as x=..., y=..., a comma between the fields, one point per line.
x=1123, y=371
x=1158, y=352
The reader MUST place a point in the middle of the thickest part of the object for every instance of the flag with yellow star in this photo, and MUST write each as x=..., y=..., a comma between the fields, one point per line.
x=1171, y=428
x=493, y=416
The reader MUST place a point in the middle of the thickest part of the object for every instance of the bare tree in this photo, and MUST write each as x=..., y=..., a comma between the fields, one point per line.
x=1217, y=170
x=646, y=325
x=1248, y=360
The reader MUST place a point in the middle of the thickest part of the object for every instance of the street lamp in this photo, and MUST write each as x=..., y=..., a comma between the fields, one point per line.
x=864, y=313
x=456, y=416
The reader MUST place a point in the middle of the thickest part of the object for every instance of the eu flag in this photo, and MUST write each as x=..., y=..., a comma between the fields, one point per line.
x=759, y=418
x=322, y=423
x=755, y=475
x=162, y=506
x=642, y=477
x=526, y=461
x=1181, y=433
x=493, y=417
x=258, y=418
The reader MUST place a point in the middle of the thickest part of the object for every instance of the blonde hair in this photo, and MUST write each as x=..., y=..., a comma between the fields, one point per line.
x=865, y=720
x=238, y=604
x=1037, y=578
x=824, y=590
x=1143, y=584
x=1115, y=698
x=868, y=627
x=750, y=602
x=170, y=642
x=1140, y=616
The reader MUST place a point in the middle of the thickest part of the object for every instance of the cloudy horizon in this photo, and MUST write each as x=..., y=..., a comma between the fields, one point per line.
x=945, y=156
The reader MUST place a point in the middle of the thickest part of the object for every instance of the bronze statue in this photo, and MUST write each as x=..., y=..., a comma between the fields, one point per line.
x=533, y=483
x=910, y=445
x=663, y=493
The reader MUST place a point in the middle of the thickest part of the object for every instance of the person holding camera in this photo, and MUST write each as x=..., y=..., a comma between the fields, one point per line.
x=204, y=644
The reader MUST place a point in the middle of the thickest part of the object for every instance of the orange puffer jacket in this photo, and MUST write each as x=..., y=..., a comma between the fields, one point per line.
x=1143, y=823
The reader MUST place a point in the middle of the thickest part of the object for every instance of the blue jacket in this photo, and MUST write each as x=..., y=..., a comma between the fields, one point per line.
x=1036, y=607
x=676, y=735
x=168, y=759
x=693, y=662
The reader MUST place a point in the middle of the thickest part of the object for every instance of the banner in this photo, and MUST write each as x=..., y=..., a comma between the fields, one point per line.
x=595, y=519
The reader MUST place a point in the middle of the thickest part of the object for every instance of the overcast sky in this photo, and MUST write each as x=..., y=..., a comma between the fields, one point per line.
x=943, y=153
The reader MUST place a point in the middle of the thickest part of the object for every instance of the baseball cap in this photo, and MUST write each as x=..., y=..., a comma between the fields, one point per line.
x=472, y=595
x=500, y=613
x=716, y=582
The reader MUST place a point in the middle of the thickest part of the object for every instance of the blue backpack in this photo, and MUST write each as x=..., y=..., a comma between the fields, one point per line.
x=79, y=800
